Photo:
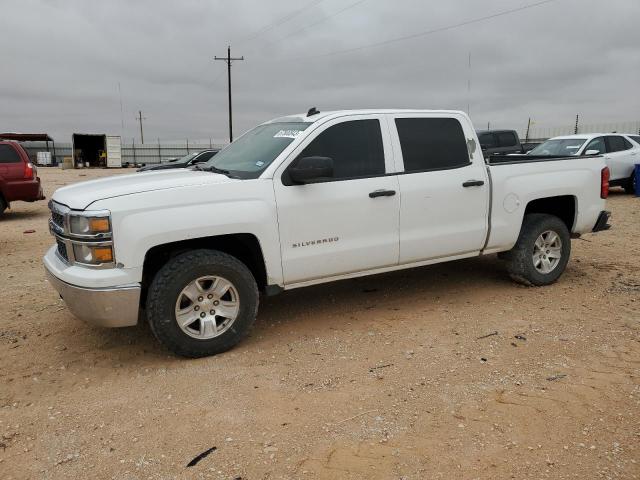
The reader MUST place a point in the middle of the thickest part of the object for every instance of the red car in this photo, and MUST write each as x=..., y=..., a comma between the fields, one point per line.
x=18, y=176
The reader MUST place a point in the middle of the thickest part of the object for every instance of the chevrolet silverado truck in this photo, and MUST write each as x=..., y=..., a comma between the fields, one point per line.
x=19, y=179
x=306, y=199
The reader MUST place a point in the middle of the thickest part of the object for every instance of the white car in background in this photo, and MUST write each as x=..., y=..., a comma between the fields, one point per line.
x=621, y=153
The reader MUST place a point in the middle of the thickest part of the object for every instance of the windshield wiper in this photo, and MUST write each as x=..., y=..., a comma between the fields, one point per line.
x=214, y=170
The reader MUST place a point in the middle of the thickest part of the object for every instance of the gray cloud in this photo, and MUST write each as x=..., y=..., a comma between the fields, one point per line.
x=62, y=61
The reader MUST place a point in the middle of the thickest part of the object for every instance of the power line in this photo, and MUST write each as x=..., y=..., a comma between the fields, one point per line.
x=426, y=32
x=280, y=21
x=323, y=19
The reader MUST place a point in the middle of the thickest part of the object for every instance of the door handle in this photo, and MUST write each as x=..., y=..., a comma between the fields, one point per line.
x=382, y=193
x=473, y=183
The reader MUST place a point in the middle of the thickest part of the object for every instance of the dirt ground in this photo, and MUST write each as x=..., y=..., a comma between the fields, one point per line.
x=443, y=372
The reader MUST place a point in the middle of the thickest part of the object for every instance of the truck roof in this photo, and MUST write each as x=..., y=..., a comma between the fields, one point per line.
x=303, y=117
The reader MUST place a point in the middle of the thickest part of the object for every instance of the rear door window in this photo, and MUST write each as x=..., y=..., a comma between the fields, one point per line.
x=616, y=143
x=8, y=154
x=487, y=140
x=432, y=144
x=507, y=139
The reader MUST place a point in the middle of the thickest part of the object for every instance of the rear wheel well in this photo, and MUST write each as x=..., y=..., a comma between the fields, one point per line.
x=563, y=207
x=243, y=246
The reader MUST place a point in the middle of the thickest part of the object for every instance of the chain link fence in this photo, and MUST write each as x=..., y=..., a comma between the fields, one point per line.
x=132, y=152
x=542, y=132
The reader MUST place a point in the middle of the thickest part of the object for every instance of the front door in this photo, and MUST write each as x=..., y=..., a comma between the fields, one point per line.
x=347, y=223
x=445, y=189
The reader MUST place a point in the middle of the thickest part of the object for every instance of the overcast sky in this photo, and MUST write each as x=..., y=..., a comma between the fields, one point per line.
x=62, y=61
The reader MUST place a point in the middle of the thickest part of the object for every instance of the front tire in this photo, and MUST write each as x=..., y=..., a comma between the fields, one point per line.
x=202, y=303
x=3, y=206
x=542, y=251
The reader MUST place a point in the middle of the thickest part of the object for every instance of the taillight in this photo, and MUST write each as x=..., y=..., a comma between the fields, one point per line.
x=604, y=182
x=28, y=171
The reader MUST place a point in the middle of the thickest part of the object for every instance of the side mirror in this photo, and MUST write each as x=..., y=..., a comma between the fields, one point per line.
x=311, y=169
x=592, y=152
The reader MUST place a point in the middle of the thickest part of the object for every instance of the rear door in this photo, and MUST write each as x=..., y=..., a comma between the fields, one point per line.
x=620, y=157
x=444, y=187
x=348, y=223
x=114, y=152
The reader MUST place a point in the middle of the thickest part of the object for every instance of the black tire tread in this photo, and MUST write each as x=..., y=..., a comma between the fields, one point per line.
x=166, y=275
x=518, y=259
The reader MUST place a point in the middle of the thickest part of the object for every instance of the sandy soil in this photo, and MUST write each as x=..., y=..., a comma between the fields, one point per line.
x=397, y=376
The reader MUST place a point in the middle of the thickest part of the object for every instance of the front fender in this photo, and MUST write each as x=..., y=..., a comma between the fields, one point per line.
x=146, y=220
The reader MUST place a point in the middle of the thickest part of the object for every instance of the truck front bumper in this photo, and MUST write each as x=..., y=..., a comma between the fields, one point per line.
x=105, y=307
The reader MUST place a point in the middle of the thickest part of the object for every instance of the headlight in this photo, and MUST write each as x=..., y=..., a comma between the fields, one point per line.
x=81, y=225
x=92, y=254
x=83, y=238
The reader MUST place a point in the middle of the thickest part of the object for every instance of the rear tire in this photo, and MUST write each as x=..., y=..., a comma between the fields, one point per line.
x=542, y=251
x=213, y=295
x=3, y=206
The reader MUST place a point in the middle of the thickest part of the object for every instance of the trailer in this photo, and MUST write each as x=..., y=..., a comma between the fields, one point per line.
x=96, y=150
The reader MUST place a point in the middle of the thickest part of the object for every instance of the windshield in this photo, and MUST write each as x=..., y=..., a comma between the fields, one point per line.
x=254, y=151
x=559, y=147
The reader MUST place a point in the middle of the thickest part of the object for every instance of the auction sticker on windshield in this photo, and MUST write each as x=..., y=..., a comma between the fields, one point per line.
x=287, y=134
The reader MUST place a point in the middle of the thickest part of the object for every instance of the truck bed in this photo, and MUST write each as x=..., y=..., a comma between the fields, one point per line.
x=522, y=179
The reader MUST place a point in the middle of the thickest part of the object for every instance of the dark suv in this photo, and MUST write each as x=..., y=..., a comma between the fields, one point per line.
x=499, y=142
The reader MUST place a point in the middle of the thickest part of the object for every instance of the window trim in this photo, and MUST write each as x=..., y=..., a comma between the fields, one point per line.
x=439, y=169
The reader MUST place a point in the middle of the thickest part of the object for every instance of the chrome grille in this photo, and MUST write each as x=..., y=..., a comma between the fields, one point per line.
x=58, y=219
x=62, y=249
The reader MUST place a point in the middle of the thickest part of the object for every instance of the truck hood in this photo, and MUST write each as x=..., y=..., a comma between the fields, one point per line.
x=80, y=195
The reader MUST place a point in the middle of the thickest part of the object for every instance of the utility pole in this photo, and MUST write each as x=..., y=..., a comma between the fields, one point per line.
x=526, y=137
x=140, y=118
x=229, y=60
x=469, y=88
x=575, y=130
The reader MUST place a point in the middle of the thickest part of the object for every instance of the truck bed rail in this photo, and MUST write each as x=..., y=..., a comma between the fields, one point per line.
x=497, y=160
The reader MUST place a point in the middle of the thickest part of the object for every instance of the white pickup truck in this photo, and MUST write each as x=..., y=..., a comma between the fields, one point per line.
x=306, y=199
